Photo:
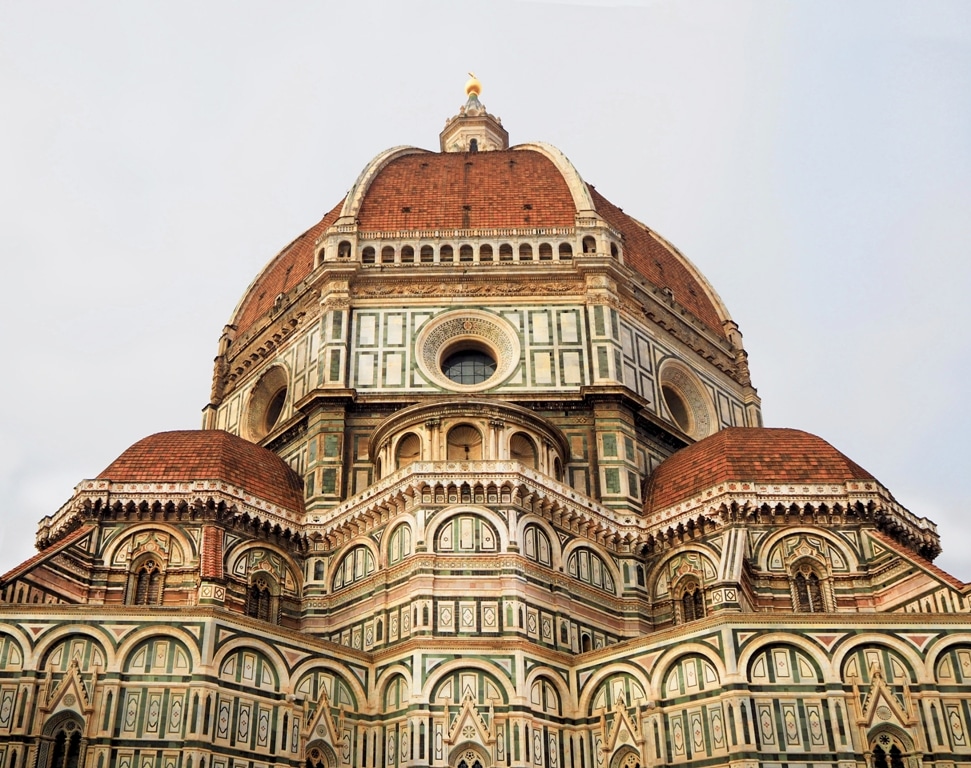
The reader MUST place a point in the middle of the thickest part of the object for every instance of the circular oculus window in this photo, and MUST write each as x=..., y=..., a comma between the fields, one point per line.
x=467, y=351
x=685, y=401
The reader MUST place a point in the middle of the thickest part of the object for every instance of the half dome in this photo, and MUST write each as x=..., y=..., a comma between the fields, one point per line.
x=209, y=454
x=748, y=454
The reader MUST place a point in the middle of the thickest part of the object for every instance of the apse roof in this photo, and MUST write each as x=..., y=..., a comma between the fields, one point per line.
x=209, y=454
x=748, y=454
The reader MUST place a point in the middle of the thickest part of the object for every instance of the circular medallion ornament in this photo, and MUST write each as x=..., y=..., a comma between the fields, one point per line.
x=467, y=350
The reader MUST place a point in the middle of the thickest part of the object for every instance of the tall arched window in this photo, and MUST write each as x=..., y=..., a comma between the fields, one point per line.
x=692, y=602
x=259, y=603
x=399, y=545
x=807, y=590
x=61, y=745
x=536, y=545
x=356, y=565
x=586, y=566
x=145, y=584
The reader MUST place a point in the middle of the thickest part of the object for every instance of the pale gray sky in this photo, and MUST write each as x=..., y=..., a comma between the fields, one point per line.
x=812, y=158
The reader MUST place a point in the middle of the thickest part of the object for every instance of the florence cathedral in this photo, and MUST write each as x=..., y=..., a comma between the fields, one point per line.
x=482, y=482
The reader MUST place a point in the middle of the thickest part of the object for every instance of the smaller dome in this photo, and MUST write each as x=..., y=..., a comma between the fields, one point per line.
x=748, y=454
x=209, y=454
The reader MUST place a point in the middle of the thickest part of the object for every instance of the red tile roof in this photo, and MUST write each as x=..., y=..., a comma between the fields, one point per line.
x=455, y=190
x=452, y=190
x=754, y=454
x=209, y=454
x=44, y=554
x=645, y=254
x=290, y=266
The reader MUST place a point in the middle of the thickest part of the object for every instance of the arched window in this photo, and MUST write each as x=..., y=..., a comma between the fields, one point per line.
x=586, y=566
x=407, y=254
x=387, y=255
x=485, y=253
x=409, y=450
x=807, y=590
x=399, y=545
x=525, y=252
x=466, y=533
x=318, y=570
x=445, y=253
x=61, y=745
x=355, y=565
x=566, y=251
x=545, y=252
x=427, y=254
x=367, y=255
x=692, y=602
x=523, y=450
x=145, y=586
x=536, y=545
x=464, y=443
x=465, y=253
x=888, y=752
x=505, y=252
x=589, y=245
x=259, y=603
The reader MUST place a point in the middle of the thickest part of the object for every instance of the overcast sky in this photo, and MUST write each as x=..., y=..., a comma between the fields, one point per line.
x=813, y=159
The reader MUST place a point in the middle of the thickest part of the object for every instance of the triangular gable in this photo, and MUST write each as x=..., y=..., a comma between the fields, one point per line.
x=43, y=556
x=71, y=693
x=469, y=725
x=322, y=725
x=623, y=729
x=925, y=565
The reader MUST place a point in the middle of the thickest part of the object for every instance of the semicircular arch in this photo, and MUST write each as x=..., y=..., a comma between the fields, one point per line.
x=592, y=686
x=496, y=522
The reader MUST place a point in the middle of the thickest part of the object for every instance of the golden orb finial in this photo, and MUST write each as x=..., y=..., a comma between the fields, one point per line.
x=473, y=85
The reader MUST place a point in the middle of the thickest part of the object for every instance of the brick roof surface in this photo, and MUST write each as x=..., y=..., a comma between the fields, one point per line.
x=645, y=254
x=290, y=266
x=35, y=560
x=209, y=454
x=754, y=454
x=456, y=190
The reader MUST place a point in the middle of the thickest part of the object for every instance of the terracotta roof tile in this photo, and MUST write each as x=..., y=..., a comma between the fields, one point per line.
x=209, y=454
x=290, y=266
x=756, y=454
x=919, y=561
x=644, y=253
x=455, y=190
x=44, y=554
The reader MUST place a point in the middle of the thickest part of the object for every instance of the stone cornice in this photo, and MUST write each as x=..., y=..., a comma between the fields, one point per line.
x=529, y=490
x=93, y=495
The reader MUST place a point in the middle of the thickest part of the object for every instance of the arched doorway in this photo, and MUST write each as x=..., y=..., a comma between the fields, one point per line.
x=469, y=756
x=320, y=755
x=60, y=745
x=626, y=757
x=889, y=749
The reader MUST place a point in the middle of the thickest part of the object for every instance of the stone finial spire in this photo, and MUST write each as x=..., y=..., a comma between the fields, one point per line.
x=473, y=129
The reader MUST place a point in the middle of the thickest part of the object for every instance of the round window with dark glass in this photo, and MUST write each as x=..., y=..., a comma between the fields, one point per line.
x=274, y=409
x=469, y=366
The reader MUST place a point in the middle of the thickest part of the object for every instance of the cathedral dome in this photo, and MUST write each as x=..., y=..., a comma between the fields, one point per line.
x=748, y=454
x=531, y=189
x=209, y=454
